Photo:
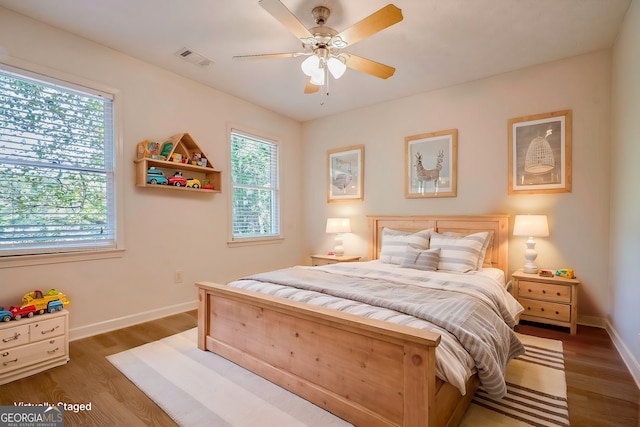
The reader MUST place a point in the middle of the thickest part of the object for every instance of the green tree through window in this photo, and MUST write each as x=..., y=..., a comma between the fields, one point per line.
x=254, y=176
x=56, y=166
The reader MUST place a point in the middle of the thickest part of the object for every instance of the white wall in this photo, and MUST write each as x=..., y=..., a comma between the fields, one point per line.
x=164, y=230
x=579, y=221
x=625, y=191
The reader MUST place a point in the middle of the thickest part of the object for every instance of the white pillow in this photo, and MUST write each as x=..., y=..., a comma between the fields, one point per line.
x=394, y=243
x=459, y=254
x=421, y=259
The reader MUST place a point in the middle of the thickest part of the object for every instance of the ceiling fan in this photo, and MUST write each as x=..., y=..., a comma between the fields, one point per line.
x=323, y=45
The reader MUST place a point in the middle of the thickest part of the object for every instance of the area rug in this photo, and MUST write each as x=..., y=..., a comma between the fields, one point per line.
x=198, y=388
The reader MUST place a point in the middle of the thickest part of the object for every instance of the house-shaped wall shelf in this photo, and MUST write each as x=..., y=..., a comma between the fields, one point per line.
x=180, y=153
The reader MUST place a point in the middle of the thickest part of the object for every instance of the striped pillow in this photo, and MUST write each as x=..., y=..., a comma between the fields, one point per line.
x=394, y=243
x=459, y=254
x=421, y=259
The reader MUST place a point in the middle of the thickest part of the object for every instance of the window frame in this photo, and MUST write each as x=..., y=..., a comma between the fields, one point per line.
x=253, y=240
x=72, y=82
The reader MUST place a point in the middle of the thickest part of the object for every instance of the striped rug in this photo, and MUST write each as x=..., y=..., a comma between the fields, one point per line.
x=199, y=388
x=536, y=390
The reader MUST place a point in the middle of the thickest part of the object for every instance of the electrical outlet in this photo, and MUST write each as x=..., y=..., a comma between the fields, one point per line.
x=177, y=278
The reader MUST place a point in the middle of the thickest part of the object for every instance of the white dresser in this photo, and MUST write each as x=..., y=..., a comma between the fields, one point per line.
x=32, y=345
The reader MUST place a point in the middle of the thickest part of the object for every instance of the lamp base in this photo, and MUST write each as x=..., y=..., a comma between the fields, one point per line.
x=530, y=255
x=338, y=249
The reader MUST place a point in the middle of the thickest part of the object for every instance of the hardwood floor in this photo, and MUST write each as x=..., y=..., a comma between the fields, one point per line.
x=601, y=391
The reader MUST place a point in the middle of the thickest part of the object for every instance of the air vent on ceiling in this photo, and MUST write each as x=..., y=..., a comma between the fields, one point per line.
x=193, y=57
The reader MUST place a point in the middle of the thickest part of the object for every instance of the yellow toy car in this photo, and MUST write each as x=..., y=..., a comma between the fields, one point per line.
x=193, y=183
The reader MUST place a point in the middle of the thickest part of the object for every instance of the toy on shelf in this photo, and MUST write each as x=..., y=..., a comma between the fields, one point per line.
x=149, y=149
x=193, y=183
x=178, y=180
x=35, y=302
x=156, y=176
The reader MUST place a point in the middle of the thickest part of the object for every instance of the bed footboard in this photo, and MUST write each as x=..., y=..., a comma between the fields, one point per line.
x=368, y=372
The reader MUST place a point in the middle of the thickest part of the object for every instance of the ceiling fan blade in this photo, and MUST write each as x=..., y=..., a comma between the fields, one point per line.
x=286, y=18
x=272, y=55
x=370, y=67
x=311, y=88
x=377, y=21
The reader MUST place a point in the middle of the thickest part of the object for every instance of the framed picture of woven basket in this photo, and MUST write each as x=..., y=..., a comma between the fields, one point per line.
x=431, y=164
x=540, y=153
x=345, y=175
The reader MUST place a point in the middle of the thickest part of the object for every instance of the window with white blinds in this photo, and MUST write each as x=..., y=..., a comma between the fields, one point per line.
x=254, y=181
x=56, y=166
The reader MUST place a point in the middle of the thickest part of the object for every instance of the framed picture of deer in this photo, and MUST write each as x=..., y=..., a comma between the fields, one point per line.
x=345, y=178
x=431, y=164
x=540, y=153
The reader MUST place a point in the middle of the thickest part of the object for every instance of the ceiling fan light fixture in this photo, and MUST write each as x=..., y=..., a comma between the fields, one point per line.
x=336, y=66
x=318, y=77
x=310, y=65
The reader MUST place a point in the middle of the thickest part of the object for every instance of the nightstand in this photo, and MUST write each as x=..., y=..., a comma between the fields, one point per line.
x=332, y=259
x=551, y=300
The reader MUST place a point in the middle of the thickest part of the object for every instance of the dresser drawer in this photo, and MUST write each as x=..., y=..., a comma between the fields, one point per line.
x=47, y=328
x=29, y=354
x=546, y=310
x=14, y=336
x=544, y=291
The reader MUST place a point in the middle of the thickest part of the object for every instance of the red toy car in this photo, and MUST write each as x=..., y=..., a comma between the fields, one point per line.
x=19, y=312
x=178, y=180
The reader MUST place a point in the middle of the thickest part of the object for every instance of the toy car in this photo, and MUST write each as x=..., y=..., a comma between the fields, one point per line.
x=19, y=312
x=178, y=180
x=5, y=315
x=194, y=183
x=49, y=302
x=156, y=176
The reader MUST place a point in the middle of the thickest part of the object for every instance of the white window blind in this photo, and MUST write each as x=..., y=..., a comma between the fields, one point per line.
x=56, y=166
x=254, y=179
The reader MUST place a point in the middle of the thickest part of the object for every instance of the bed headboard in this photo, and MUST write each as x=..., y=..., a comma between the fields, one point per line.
x=464, y=224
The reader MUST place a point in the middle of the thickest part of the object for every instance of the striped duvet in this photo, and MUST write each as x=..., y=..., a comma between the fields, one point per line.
x=474, y=313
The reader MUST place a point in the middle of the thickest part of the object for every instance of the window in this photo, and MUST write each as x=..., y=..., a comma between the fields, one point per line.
x=56, y=166
x=254, y=181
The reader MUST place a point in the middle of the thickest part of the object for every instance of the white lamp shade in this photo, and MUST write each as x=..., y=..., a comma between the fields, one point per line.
x=338, y=225
x=531, y=226
x=317, y=78
x=336, y=67
x=310, y=65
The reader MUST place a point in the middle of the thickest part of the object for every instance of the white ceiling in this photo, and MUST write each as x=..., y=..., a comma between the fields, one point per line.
x=439, y=43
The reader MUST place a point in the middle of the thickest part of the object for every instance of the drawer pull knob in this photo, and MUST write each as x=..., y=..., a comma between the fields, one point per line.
x=9, y=361
x=557, y=312
x=558, y=293
x=53, y=351
x=528, y=290
x=13, y=338
x=48, y=331
x=544, y=292
x=542, y=309
x=5, y=354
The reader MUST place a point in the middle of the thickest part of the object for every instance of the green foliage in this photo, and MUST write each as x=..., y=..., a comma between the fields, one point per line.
x=53, y=180
x=255, y=187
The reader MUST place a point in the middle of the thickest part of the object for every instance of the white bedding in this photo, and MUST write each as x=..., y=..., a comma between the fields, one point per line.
x=454, y=364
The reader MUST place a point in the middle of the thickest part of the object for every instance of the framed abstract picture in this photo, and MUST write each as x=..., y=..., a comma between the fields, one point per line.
x=345, y=174
x=540, y=153
x=431, y=164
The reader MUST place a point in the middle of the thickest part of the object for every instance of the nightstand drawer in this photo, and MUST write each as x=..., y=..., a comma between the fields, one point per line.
x=546, y=310
x=544, y=291
x=29, y=354
x=14, y=336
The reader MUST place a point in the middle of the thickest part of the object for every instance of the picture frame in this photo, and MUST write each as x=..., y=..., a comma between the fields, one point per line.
x=540, y=153
x=431, y=161
x=345, y=174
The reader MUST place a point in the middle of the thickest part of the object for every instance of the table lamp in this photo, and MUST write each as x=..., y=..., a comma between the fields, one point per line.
x=338, y=226
x=531, y=226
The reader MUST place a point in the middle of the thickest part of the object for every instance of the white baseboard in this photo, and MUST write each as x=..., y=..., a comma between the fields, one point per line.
x=123, y=322
x=627, y=356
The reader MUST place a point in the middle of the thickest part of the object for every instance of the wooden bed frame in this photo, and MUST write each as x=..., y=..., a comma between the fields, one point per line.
x=368, y=372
